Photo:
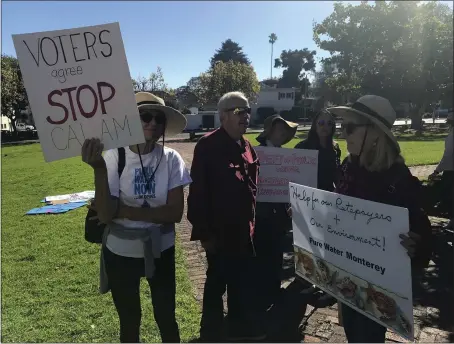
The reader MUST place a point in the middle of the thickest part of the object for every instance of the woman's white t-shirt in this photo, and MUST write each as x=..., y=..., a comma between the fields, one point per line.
x=131, y=190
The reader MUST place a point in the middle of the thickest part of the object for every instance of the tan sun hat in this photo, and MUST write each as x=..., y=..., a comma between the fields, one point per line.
x=268, y=124
x=376, y=109
x=176, y=121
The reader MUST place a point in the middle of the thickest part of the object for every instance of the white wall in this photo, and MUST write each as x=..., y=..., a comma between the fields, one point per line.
x=278, y=98
x=5, y=123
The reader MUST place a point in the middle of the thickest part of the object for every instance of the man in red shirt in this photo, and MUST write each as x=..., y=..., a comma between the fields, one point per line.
x=221, y=209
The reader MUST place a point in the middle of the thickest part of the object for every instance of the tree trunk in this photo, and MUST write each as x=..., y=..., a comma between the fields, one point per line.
x=416, y=117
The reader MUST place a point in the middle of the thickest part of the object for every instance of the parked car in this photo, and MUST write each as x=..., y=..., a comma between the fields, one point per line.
x=24, y=127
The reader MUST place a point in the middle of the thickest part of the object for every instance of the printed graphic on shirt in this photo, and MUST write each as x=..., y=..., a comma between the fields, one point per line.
x=142, y=190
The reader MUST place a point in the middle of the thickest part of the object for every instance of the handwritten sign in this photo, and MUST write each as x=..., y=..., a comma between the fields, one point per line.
x=279, y=166
x=351, y=248
x=78, y=85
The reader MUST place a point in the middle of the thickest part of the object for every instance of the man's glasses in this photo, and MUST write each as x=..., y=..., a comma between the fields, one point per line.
x=148, y=116
x=349, y=128
x=322, y=123
x=240, y=111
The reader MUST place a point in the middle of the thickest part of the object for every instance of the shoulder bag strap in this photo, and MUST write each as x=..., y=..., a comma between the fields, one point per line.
x=121, y=160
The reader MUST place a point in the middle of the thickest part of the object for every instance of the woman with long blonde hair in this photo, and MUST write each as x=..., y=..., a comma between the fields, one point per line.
x=374, y=170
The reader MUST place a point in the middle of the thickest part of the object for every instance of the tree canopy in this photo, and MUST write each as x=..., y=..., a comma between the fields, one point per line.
x=226, y=77
x=401, y=50
x=14, y=96
x=230, y=51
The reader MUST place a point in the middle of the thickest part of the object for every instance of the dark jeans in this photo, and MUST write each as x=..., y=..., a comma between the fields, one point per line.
x=231, y=273
x=269, y=242
x=124, y=276
x=360, y=329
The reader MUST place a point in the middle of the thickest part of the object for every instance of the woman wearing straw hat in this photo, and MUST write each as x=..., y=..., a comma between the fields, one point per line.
x=272, y=219
x=375, y=171
x=140, y=209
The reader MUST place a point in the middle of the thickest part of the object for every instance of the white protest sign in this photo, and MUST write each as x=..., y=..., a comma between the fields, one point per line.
x=351, y=248
x=78, y=85
x=279, y=166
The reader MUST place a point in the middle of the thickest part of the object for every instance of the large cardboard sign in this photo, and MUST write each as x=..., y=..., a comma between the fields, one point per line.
x=279, y=166
x=79, y=87
x=351, y=249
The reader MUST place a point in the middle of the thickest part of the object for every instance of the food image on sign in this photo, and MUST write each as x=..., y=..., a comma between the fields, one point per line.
x=351, y=290
x=351, y=248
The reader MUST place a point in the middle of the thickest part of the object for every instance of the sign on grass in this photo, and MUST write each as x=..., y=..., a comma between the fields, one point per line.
x=78, y=85
x=279, y=166
x=351, y=249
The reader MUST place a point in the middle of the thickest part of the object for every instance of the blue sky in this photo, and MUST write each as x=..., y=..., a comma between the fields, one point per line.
x=180, y=37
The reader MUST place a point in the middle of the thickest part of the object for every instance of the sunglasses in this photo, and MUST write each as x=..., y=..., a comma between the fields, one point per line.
x=322, y=123
x=349, y=128
x=147, y=117
x=240, y=111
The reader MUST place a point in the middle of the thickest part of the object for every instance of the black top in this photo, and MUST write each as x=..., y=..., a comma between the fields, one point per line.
x=222, y=195
x=328, y=163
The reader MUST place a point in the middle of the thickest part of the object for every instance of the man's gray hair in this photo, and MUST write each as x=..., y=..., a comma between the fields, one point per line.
x=227, y=98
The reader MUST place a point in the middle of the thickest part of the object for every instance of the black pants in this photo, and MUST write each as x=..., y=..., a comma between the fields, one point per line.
x=360, y=329
x=124, y=276
x=269, y=242
x=231, y=273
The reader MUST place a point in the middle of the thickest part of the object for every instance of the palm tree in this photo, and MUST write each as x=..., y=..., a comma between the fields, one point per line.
x=272, y=40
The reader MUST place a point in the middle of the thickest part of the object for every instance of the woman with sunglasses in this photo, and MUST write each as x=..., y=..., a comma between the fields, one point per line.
x=320, y=138
x=374, y=170
x=140, y=209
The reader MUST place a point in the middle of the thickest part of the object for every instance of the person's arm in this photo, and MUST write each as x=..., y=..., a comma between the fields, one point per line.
x=171, y=212
x=198, y=198
x=105, y=204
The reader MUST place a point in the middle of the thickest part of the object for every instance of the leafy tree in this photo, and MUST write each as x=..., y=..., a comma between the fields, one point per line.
x=185, y=96
x=227, y=77
x=14, y=96
x=321, y=87
x=401, y=50
x=155, y=82
x=295, y=62
x=230, y=51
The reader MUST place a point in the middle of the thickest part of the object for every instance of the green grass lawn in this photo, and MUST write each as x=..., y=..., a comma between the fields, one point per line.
x=423, y=150
x=50, y=273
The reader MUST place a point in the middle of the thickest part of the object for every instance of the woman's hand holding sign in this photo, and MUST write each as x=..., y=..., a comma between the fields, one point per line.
x=410, y=242
x=92, y=153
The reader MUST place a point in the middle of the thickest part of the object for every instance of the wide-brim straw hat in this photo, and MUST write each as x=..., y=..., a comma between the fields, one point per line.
x=268, y=124
x=376, y=109
x=175, y=120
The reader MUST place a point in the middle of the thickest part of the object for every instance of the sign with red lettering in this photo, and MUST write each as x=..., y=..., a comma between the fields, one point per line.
x=79, y=87
x=279, y=166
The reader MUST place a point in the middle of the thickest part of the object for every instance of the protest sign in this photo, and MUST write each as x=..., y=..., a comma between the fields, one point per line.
x=279, y=166
x=79, y=87
x=351, y=249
